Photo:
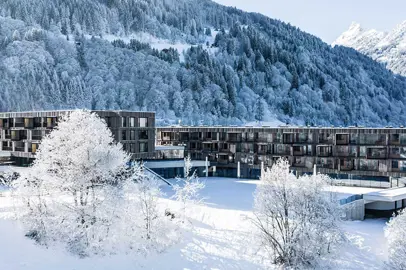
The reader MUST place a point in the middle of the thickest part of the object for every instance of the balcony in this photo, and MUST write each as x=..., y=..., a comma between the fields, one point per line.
x=394, y=139
x=288, y=138
x=234, y=137
x=184, y=137
x=37, y=138
x=19, y=149
x=379, y=153
x=298, y=151
x=346, y=164
x=326, y=163
x=369, y=165
x=372, y=139
x=325, y=138
x=342, y=151
x=282, y=150
x=342, y=139
x=323, y=151
x=4, y=123
x=7, y=148
x=19, y=123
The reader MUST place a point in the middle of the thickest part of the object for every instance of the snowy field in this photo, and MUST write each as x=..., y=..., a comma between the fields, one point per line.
x=220, y=238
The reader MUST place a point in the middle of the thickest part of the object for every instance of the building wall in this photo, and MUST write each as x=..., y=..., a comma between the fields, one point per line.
x=377, y=153
x=21, y=132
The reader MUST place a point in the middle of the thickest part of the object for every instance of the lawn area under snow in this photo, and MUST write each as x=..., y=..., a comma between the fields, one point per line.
x=221, y=238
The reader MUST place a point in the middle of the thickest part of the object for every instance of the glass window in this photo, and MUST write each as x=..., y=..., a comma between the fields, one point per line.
x=124, y=135
x=143, y=147
x=132, y=135
x=108, y=121
x=124, y=122
x=132, y=148
x=132, y=122
x=143, y=122
x=143, y=135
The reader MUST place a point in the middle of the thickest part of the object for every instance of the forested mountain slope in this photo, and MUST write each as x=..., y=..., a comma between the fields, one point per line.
x=387, y=48
x=55, y=54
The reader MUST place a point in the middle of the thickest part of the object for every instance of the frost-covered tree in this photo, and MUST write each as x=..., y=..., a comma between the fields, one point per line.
x=395, y=233
x=297, y=220
x=80, y=192
x=187, y=190
x=66, y=190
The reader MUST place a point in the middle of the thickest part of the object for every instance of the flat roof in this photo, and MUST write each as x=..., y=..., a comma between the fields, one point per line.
x=387, y=195
x=56, y=113
x=342, y=129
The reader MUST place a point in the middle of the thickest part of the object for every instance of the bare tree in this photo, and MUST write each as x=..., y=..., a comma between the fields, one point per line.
x=297, y=219
x=187, y=191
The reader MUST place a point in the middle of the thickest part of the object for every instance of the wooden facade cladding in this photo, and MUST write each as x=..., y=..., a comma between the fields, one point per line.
x=21, y=132
x=357, y=151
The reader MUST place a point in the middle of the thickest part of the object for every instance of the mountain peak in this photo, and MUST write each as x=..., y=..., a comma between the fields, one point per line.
x=355, y=27
x=346, y=38
x=387, y=48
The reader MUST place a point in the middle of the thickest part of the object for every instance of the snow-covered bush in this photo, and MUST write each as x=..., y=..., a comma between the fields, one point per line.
x=395, y=233
x=80, y=192
x=297, y=219
x=188, y=188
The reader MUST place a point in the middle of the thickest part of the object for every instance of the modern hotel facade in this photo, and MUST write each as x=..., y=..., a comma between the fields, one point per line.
x=369, y=153
x=21, y=132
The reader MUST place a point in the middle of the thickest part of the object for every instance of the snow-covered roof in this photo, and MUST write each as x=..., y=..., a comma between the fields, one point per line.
x=386, y=195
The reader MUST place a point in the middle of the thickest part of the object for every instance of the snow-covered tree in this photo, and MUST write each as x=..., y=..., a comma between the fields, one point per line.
x=80, y=192
x=187, y=191
x=395, y=233
x=297, y=220
x=66, y=190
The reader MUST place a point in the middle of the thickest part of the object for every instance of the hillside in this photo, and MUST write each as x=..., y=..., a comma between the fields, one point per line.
x=240, y=67
x=387, y=48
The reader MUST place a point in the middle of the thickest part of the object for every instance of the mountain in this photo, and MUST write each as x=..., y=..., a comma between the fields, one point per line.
x=387, y=48
x=193, y=61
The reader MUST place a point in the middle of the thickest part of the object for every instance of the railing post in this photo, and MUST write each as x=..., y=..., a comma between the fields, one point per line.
x=238, y=170
x=207, y=166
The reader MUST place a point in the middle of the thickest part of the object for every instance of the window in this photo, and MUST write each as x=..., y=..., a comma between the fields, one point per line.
x=143, y=122
x=132, y=122
x=395, y=164
x=132, y=135
x=132, y=148
x=124, y=135
x=108, y=121
x=124, y=122
x=143, y=135
x=143, y=147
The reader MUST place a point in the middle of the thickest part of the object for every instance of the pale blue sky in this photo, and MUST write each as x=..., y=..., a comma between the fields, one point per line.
x=327, y=19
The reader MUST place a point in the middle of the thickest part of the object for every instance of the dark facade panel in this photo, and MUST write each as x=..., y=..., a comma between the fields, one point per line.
x=371, y=152
x=21, y=132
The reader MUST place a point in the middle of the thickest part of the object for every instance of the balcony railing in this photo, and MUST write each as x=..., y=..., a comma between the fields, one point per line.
x=7, y=148
x=19, y=149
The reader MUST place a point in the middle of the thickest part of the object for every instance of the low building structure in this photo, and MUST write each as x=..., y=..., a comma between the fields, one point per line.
x=356, y=153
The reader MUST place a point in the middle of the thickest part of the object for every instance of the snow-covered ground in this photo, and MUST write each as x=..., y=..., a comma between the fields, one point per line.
x=160, y=44
x=220, y=238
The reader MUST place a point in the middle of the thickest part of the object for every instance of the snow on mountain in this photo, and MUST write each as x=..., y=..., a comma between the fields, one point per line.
x=238, y=68
x=386, y=47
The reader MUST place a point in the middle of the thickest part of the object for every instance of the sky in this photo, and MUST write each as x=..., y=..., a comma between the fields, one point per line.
x=327, y=19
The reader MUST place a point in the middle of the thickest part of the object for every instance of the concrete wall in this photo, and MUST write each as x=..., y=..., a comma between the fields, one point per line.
x=381, y=206
x=355, y=210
